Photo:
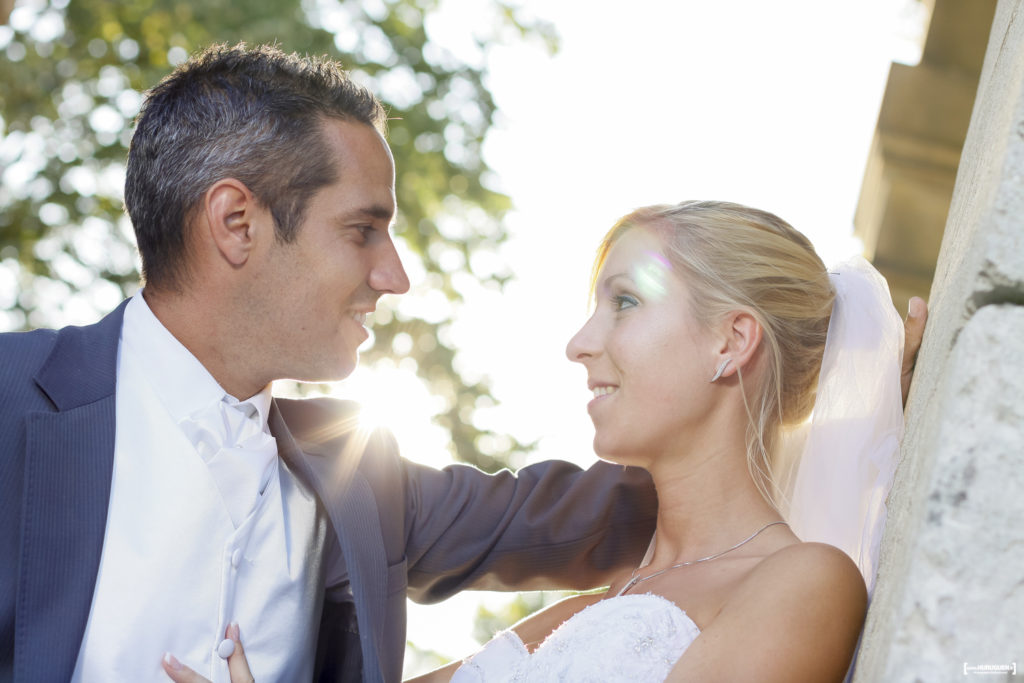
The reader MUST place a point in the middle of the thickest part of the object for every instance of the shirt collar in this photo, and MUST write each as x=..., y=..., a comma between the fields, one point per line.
x=181, y=382
x=260, y=400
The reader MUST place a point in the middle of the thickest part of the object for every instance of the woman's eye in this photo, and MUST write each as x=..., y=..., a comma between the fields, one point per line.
x=624, y=301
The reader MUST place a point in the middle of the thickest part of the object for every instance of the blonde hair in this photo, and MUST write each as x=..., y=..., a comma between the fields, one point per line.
x=733, y=257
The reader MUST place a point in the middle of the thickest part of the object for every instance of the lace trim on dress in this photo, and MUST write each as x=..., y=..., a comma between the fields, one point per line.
x=625, y=638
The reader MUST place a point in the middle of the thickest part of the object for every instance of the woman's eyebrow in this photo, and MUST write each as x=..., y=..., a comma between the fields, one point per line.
x=606, y=282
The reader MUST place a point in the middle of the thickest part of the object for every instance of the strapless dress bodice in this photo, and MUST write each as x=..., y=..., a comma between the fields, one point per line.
x=625, y=638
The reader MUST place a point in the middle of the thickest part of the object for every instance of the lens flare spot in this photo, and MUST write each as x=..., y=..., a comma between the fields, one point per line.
x=650, y=275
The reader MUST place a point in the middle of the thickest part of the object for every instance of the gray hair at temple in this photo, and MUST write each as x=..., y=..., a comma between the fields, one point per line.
x=253, y=114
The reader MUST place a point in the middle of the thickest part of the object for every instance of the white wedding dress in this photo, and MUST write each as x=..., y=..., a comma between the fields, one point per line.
x=626, y=638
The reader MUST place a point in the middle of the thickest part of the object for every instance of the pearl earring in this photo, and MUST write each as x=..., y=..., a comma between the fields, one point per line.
x=721, y=369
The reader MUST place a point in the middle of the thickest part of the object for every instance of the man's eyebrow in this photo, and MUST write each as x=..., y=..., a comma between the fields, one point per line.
x=378, y=211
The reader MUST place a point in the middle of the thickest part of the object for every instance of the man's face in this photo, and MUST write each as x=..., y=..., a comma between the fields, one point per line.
x=315, y=292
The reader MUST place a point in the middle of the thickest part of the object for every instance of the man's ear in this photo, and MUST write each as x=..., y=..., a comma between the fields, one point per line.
x=231, y=211
x=739, y=339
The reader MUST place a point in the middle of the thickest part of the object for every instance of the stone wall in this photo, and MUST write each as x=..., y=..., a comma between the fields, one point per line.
x=950, y=591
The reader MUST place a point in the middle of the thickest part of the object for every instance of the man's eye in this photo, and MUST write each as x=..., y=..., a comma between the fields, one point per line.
x=365, y=232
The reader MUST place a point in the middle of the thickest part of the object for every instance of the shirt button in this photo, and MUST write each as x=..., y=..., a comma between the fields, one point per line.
x=236, y=558
x=226, y=647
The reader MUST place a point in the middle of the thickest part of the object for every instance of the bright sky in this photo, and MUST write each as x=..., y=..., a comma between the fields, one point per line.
x=771, y=104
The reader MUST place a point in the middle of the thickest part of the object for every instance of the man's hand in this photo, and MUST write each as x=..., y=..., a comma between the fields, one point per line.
x=238, y=667
x=913, y=332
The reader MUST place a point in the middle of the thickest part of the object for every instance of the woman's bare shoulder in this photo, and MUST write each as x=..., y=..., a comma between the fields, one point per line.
x=796, y=616
x=810, y=566
x=800, y=574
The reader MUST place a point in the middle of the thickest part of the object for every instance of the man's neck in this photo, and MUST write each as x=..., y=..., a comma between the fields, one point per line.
x=202, y=331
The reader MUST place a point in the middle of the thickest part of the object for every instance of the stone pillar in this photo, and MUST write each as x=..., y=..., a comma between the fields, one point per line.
x=950, y=590
x=912, y=165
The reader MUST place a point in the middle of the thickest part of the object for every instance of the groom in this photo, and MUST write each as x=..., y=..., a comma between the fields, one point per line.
x=152, y=492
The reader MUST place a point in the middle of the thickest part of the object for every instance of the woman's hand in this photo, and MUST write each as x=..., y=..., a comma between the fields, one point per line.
x=238, y=667
x=913, y=332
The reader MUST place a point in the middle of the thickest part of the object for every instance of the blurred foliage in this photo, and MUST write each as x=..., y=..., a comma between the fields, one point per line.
x=489, y=622
x=72, y=76
x=420, y=660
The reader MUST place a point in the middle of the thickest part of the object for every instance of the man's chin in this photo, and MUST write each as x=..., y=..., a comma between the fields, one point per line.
x=341, y=372
x=335, y=371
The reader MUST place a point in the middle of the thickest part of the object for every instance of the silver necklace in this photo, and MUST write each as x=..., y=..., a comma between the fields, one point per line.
x=634, y=579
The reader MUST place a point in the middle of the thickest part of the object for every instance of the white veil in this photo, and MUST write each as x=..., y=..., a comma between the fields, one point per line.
x=834, y=490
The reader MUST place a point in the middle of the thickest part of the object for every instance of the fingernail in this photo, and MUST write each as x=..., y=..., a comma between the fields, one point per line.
x=172, y=661
x=914, y=309
x=234, y=631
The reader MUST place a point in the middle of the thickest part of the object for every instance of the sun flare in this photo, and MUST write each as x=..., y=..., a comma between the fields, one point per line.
x=391, y=396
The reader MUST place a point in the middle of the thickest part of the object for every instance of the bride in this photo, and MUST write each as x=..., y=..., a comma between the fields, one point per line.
x=717, y=333
x=703, y=353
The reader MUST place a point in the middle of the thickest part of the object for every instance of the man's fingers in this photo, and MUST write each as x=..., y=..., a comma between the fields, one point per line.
x=913, y=332
x=178, y=672
x=238, y=666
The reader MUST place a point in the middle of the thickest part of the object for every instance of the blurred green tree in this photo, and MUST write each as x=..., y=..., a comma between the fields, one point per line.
x=489, y=621
x=72, y=76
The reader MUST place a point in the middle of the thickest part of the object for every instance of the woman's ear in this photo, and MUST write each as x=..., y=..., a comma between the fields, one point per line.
x=231, y=211
x=740, y=337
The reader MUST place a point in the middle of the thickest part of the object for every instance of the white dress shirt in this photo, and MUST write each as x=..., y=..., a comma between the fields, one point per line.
x=198, y=536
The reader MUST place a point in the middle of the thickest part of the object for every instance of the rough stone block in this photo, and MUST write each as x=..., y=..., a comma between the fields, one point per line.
x=950, y=588
x=962, y=595
x=982, y=259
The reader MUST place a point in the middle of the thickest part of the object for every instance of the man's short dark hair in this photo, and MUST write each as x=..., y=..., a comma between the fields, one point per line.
x=253, y=114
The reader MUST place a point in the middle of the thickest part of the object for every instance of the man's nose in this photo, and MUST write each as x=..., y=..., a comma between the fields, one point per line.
x=388, y=275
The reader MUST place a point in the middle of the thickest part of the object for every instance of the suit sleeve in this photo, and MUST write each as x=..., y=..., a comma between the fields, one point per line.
x=550, y=525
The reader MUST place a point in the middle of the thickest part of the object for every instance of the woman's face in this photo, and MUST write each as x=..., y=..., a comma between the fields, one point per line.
x=648, y=360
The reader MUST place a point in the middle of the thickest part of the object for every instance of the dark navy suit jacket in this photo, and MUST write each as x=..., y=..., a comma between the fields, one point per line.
x=403, y=529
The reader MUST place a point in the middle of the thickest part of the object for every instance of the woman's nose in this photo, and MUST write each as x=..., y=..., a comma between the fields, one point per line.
x=582, y=345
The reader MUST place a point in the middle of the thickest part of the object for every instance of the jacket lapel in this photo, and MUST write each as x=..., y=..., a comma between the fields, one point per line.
x=352, y=509
x=68, y=462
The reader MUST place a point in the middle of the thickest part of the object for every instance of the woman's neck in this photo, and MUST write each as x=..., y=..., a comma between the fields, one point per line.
x=707, y=502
